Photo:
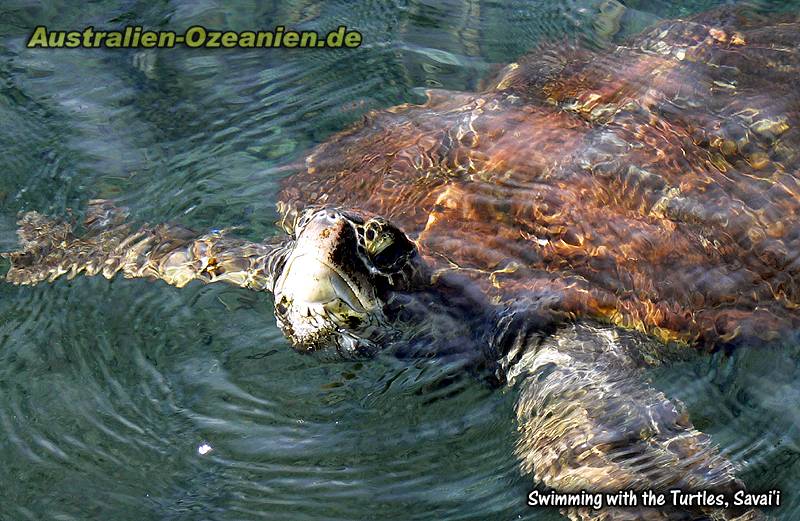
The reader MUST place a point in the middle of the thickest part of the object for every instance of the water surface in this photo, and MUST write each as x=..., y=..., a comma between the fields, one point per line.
x=112, y=393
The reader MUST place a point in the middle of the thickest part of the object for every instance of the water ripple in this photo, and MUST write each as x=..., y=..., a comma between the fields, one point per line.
x=108, y=390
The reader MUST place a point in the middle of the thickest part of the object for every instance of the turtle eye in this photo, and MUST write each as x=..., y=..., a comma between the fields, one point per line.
x=389, y=257
x=376, y=243
x=386, y=247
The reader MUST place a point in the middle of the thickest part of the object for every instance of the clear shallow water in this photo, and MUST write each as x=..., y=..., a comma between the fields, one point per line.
x=108, y=389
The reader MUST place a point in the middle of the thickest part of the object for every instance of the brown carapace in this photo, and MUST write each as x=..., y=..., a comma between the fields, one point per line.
x=655, y=185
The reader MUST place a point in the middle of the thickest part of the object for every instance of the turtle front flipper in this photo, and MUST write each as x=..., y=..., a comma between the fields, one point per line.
x=589, y=421
x=109, y=245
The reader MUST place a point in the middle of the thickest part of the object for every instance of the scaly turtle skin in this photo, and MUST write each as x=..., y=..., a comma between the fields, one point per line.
x=583, y=217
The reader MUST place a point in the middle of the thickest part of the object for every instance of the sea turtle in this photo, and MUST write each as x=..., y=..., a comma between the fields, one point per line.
x=590, y=213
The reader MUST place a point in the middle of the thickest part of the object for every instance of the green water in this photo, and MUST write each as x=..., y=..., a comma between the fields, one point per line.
x=108, y=390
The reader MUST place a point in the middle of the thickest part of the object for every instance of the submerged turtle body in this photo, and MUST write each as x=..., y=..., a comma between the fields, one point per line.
x=656, y=185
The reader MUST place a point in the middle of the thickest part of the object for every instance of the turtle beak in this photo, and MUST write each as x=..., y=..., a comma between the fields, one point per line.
x=312, y=281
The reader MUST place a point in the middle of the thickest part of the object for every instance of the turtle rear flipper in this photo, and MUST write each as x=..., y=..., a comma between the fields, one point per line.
x=109, y=245
x=590, y=421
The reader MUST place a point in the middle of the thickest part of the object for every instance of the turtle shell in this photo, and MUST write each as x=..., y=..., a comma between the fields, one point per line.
x=655, y=185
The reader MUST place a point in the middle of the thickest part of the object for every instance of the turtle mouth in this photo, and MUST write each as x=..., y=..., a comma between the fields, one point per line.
x=316, y=304
x=311, y=281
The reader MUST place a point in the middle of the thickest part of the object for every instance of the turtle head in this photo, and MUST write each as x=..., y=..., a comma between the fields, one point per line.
x=341, y=270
